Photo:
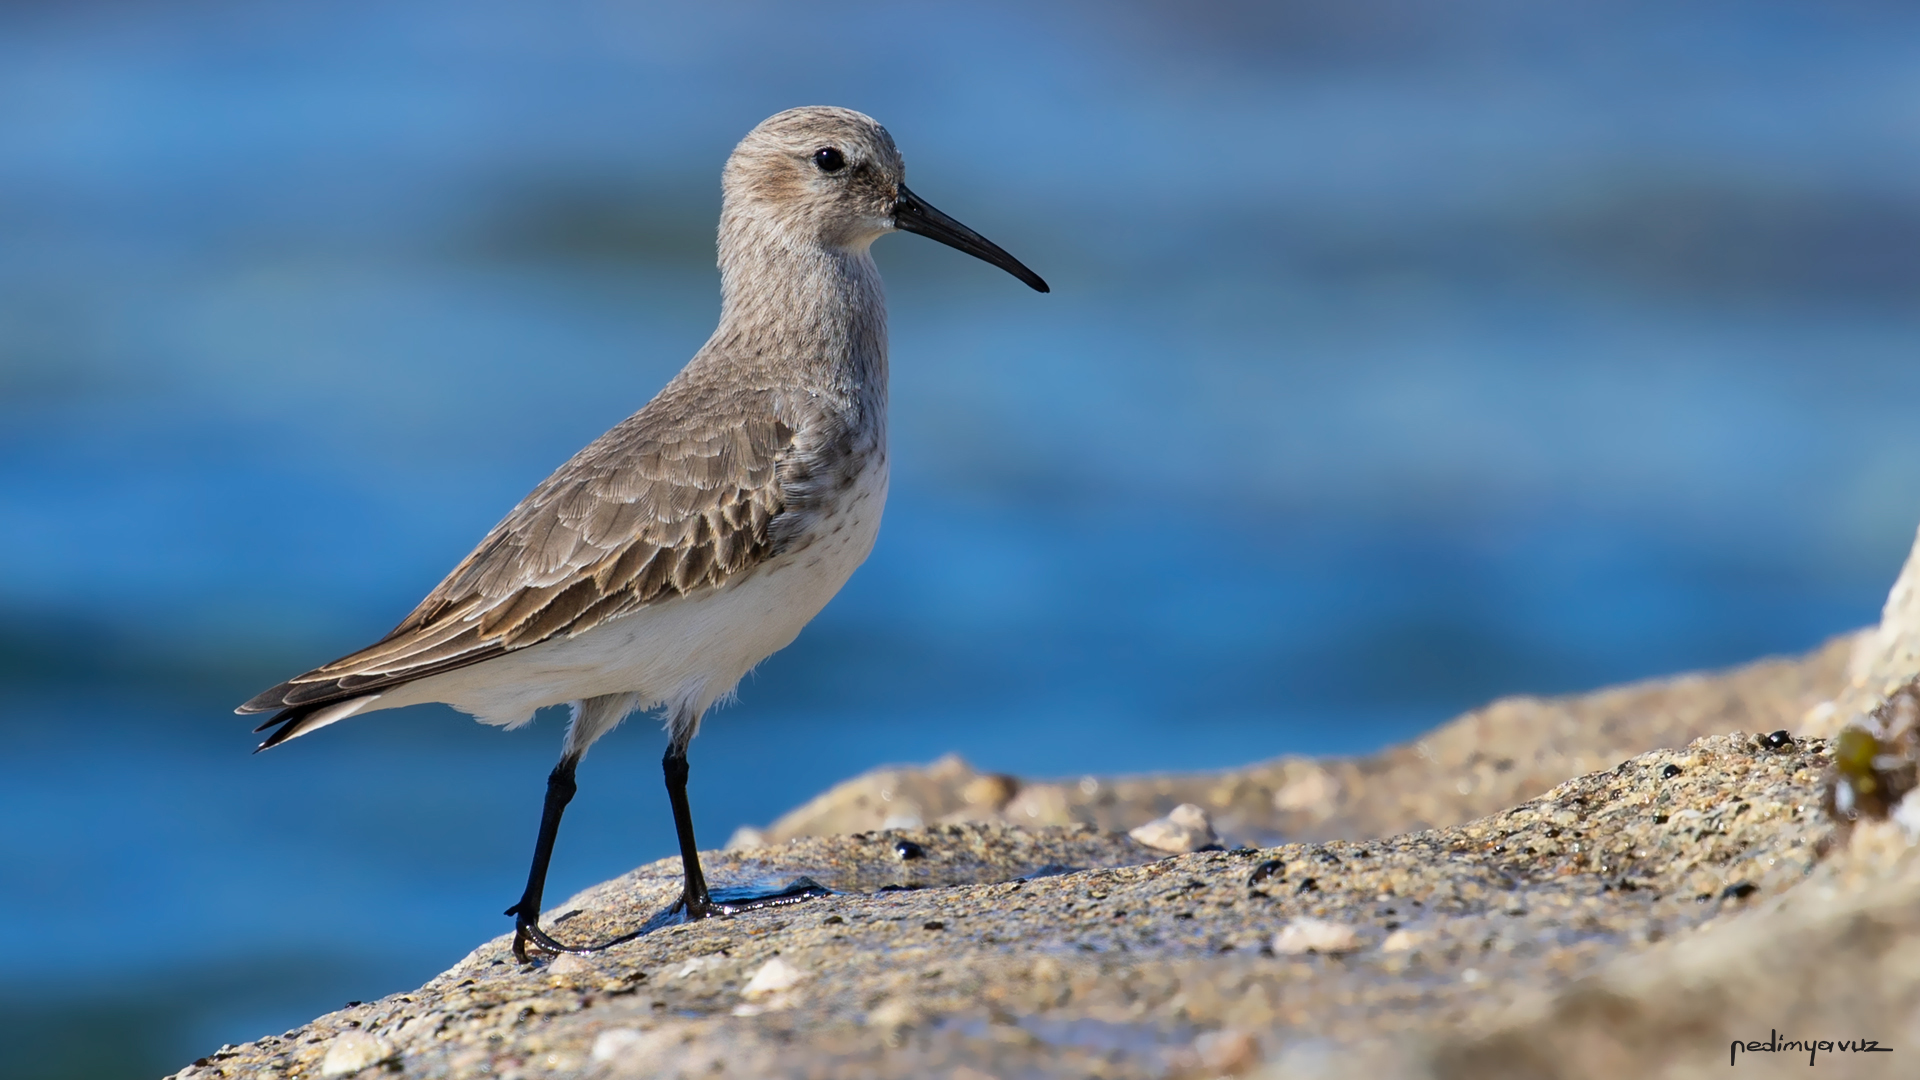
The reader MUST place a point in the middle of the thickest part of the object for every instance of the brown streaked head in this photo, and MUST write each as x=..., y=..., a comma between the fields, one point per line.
x=833, y=177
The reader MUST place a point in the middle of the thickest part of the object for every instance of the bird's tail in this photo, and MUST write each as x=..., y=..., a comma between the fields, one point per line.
x=300, y=719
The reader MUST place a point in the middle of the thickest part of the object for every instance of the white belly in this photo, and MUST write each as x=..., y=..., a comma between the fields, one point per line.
x=685, y=653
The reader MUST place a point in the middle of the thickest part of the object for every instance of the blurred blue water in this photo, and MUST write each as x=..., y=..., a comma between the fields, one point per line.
x=1398, y=358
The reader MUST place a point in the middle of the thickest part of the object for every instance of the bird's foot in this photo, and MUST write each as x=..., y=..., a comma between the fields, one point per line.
x=736, y=901
x=526, y=931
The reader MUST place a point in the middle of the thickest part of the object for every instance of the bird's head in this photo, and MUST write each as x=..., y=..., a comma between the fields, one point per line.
x=833, y=178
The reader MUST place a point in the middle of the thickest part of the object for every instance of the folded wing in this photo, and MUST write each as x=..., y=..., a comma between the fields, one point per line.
x=653, y=509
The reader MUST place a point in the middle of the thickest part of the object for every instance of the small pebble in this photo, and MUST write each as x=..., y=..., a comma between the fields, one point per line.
x=774, y=976
x=1185, y=828
x=1272, y=868
x=1668, y=772
x=1739, y=890
x=893, y=1013
x=746, y=838
x=609, y=1045
x=907, y=849
x=991, y=790
x=569, y=964
x=1313, y=790
x=626, y=1043
x=1779, y=740
x=695, y=966
x=1228, y=1052
x=1403, y=941
x=351, y=1051
x=1304, y=935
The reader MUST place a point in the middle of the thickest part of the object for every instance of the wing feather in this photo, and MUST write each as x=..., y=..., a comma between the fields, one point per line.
x=659, y=507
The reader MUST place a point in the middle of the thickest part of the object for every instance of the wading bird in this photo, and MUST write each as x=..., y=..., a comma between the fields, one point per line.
x=662, y=562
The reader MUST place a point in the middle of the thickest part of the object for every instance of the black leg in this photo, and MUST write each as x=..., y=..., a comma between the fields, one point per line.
x=526, y=913
x=694, y=897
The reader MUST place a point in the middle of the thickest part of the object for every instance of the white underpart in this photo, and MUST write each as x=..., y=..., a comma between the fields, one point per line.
x=594, y=717
x=684, y=653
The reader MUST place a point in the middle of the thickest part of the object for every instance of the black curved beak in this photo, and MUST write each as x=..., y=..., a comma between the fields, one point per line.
x=911, y=214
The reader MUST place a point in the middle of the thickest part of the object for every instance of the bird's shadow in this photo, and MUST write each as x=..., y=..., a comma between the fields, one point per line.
x=770, y=894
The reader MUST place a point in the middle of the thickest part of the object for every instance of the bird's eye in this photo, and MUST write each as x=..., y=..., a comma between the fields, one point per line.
x=827, y=159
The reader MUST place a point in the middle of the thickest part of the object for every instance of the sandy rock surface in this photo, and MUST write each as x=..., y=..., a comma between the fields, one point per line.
x=1165, y=967
x=1645, y=881
x=1806, y=982
x=1881, y=658
x=1481, y=763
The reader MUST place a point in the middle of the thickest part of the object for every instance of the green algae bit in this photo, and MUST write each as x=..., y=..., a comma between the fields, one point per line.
x=1873, y=772
x=1853, y=755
